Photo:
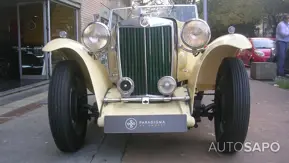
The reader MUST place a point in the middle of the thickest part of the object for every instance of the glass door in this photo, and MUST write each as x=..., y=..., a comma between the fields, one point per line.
x=31, y=40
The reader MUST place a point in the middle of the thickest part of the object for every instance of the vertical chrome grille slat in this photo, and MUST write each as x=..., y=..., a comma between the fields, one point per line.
x=163, y=45
x=146, y=72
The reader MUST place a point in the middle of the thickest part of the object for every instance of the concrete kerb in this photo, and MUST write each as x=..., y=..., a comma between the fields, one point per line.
x=24, y=88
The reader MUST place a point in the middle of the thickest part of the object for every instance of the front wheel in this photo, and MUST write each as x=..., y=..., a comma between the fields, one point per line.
x=232, y=101
x=66, y=97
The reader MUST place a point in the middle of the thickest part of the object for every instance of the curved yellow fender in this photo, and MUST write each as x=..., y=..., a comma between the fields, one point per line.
x=95, y=73
x=202, y=70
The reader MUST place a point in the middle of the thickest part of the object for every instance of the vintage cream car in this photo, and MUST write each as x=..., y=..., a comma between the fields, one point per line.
x=156, y=76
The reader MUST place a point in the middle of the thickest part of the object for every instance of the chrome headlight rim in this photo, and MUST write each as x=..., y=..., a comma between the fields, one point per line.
x=260, y=53
x=170, y=78
x=108, y=39
x=122, y=92
x=189, y=21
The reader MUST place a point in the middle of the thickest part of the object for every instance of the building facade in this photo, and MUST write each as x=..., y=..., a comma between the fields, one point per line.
x=27, y=25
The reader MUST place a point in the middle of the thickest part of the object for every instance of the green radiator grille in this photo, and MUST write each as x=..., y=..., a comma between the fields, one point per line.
x=145, y=56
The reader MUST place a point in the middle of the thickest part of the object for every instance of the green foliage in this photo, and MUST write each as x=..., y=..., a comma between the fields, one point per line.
x=244, y=14
x=223, y=13
x=273, y=10
x=283, y=83
x=275, y=7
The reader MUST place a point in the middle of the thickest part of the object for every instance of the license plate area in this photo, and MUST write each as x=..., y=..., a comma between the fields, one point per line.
x=145, y=124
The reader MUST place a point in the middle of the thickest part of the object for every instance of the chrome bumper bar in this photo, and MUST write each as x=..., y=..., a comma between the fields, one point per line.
x=146, y=100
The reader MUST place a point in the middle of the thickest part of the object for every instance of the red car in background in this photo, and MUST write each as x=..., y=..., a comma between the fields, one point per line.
x=262, y=50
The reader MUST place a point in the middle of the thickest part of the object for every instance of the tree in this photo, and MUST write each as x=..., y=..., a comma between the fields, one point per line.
x=273, y=10
x=223, y=13
x=244, y=15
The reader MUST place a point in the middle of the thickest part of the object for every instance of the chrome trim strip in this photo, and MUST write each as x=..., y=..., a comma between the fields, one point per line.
x=174, y=52
x=107, y=62
x=118, y=53
x=139, y=99
x=145, y=52
x=153, y=22
x=163, y=48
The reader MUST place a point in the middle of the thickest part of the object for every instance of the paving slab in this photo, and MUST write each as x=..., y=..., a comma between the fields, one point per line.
x=28, y=139
x=268, y=124
x=23, y=102
x=112, y=149
x=9, y=98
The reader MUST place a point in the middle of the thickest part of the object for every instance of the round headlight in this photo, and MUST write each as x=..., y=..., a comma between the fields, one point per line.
x=125, y=86
x=196, y=33
x=167, y=85
x=259, y=53
x=96, y=36
x=231, y=29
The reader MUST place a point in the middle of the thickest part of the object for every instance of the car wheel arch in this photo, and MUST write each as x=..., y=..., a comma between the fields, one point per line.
x=97, y=78
x=203, y=74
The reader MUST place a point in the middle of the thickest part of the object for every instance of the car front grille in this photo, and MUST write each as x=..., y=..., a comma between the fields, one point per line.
x=145, y=56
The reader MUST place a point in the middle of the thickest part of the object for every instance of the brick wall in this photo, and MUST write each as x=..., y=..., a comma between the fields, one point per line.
x=90, y=7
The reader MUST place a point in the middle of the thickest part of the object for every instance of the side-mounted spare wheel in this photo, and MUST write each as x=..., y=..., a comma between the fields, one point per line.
x=66, y=97
x=232, y=105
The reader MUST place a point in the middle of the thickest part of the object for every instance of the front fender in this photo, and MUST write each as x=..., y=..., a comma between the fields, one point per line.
x=95, y=73
x=202, y=74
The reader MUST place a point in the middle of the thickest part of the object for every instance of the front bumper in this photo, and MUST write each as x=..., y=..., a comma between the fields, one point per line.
x=118, y=112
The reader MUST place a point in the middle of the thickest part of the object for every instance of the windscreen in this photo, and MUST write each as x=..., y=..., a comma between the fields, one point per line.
x=181, y=13
x=263, y=43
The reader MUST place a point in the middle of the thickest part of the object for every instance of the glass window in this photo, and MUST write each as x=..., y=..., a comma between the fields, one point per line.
x=263, y=43
x=62, y=18
x=32, y=38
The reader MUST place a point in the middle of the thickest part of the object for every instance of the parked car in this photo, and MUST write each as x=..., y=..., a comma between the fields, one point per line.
x=262, y=50
x=158, y=70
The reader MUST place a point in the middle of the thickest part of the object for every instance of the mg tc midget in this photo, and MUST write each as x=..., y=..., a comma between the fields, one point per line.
x=156, y=75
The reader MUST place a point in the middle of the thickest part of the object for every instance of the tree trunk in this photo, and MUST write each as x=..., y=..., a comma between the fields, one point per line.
x=274, y=24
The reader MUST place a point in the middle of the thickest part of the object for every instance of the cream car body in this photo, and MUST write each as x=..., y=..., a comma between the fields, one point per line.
x=195, y=70
x=200, y=71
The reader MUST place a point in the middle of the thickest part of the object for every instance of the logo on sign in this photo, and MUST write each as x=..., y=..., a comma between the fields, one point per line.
x=131, y=123
x=152, y=123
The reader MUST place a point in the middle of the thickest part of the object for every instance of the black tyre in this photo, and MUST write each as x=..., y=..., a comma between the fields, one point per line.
x=232, y=100
x=67, y=94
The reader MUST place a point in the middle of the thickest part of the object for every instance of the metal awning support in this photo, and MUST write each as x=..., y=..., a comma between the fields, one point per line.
x=205, y=10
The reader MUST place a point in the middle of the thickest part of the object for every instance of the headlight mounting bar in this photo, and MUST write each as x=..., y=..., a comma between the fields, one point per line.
x=141, y=99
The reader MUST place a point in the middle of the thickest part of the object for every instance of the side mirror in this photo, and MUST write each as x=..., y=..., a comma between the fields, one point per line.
x=63, y=34
x=231, y=29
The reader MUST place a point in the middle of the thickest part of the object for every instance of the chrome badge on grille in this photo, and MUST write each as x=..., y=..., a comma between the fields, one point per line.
x=144, y=21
